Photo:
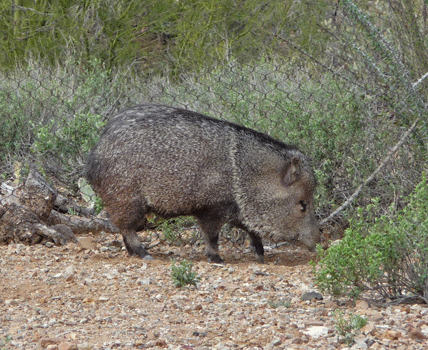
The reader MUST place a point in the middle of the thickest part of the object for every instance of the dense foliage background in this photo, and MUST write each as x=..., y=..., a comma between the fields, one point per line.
x=341, y=79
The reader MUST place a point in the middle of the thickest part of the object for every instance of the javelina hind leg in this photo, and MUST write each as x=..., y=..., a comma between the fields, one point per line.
x=256, y=245
x=210, y=226
x=134, y=245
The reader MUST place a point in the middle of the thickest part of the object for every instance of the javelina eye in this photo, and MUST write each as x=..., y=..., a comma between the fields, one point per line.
x=303, y=204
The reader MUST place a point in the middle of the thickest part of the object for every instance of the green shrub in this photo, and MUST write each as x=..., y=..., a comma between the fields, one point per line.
x=66, y=143
x=182, y=274
x=3, y=343
x=348, y=328
x=98, y=205
x=72, y=137
x=332, y=122
x=275, y=303
x=387, y=256
x=15, y=132
x=172, y=229
x=48, y=114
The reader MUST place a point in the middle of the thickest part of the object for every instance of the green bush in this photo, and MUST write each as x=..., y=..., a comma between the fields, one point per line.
x=275, y=303
x=386, y=256
x=3, y=344
x=172, y=229
x=15, y=135
x=68, y=142
x=182, y=274
x=348, y=328
x=51, y=118
x=331, y=122
x=71, y=138
x=154, y=34
x=98, y=205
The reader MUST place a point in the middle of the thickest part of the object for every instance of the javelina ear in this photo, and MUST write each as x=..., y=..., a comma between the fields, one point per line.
x=292, y=171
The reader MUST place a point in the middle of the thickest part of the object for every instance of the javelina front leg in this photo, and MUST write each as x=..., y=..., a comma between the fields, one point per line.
x=134, y=246
x=210, y=226
x=257, y=246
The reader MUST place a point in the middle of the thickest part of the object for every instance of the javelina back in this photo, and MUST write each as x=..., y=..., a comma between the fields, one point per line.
x=172, y=162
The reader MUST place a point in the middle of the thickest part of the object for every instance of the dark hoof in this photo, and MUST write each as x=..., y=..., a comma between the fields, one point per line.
x=258, y=253
x=140, y=252
x=215, y=259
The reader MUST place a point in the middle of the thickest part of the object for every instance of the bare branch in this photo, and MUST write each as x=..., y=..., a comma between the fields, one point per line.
x=415, y=85
x=373, y=175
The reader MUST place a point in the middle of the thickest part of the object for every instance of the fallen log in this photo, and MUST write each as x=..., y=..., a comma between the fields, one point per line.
x=34, y=213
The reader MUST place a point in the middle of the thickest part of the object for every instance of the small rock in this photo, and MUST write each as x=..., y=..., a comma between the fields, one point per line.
x=221, y=346
x=297, y=341
x=117, y=244
x=311, y=295
x=261, y=273
x=368, y=328
x=390, y=322
x=114, y=249
x=276, y=341
x=151, y=335
x=392, y=335
x=67, y=346
x=69, y=270
x=361, y=304
x=314, y=323
x=329, y=304
x=87, y=243
x=417, y=334
x=377, y=317
x=199, y=334
x=65, y=232
x=316, y=331
x=360, y=344
x=45, y=342
x=143, y=281
x=227, y=285
x=424, y=329
x=70, y=278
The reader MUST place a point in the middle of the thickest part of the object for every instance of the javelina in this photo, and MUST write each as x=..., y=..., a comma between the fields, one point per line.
x=172, y=162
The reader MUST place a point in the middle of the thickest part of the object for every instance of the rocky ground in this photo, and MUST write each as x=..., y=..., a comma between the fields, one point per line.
x=92, y=295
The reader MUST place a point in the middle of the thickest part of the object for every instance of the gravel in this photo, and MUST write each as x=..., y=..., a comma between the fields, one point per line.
x=72, y=297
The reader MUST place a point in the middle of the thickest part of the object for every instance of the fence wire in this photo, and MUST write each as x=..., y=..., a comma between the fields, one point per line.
x=336, y=78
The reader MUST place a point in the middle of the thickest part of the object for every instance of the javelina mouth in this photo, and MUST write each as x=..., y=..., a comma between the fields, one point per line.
x=312, y=246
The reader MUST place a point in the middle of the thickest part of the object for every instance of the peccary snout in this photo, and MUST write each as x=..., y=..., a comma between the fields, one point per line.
x=173, y=162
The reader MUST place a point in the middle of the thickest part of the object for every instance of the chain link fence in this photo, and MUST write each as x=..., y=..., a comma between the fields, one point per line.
x=342, y=80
